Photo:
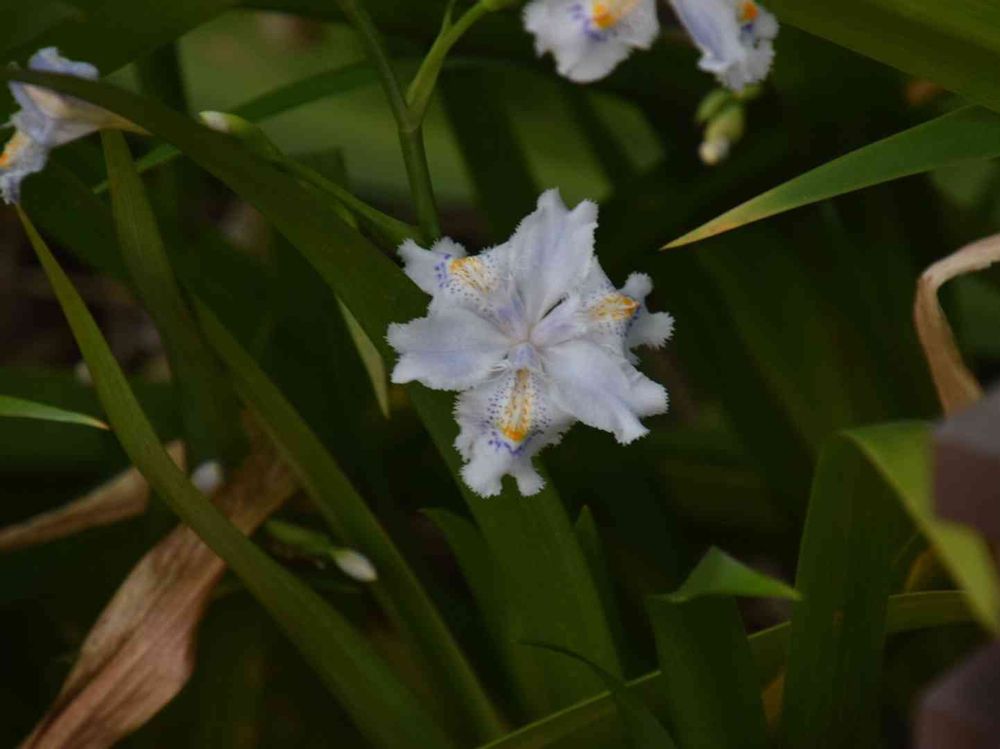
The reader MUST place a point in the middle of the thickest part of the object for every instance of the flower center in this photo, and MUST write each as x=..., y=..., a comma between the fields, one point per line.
x=748, y=11
x=13, y=148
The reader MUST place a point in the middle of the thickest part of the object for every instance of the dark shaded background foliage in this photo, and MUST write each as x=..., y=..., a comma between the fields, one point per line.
x=787, y=331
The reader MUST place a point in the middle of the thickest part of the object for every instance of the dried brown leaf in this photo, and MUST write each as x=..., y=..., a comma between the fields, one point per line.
x=123, y=497
x=140, y=653
x=956, y=386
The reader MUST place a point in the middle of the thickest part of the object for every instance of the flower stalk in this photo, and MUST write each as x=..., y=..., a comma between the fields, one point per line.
x=410, y=109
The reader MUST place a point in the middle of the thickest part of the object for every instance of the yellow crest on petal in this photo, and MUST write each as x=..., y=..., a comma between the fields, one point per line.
x=515, y=421
x=748, y=11
x=471, y=272
x=12, y=150
x=614, y=308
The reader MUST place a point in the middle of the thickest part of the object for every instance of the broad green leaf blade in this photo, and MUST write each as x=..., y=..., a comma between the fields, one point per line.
x=211, y=411
x=709, y=683
x=482, y=575
x=398, y=590
x=17, y=408
x=718, y=574
x=505, y=187
x=111, y=33
x=855, y=538
x=360, y=680
x=642, y=729
x=956, y=44
x=22, y=23
x=901, y=455
x=588, y=725
x=589, y=537
x=969, y=133
x=551, y=592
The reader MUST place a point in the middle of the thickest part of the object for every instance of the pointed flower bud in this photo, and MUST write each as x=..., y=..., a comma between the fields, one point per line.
x=355, y=565
x=252, y=136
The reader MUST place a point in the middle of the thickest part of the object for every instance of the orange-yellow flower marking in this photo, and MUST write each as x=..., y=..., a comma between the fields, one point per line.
x=614, y=307
x=14, y=145
x=470, y=271
x=608, y=13
x=748, y=11
x=515, y=423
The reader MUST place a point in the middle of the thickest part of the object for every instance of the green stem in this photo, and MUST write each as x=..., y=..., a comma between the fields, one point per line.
x=395, y=232
x=410, y=133
x=419, y=94
x=415, y=157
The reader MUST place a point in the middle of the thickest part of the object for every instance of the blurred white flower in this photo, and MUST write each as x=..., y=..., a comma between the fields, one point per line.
x=535, y=337
x=735, y=38
x=47, y=120
x=588, y=38
x=355, y=565
x=208, y=477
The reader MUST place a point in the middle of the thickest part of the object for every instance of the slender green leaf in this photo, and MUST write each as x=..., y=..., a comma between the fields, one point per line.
x=642, y=728
x=398, y=590
x=969, y=133
x=956, y=44
x=718, y=574
x=17, y=408
x=361, y=681
x=280, y=100
x=707, y=672
x=552, y=594
x=371, y=358
x=603, y=139
x=32, y=447
x=211, y=410
x=589, y=724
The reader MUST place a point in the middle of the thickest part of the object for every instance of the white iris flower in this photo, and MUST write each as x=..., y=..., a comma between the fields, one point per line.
x=47, y=120
x=589, y=38
x=735, y=38
x=535, y=337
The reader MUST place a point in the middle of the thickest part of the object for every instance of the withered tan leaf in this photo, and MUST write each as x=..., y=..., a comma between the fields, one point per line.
x=140, y=653
x=123, y=497
x=956, y=386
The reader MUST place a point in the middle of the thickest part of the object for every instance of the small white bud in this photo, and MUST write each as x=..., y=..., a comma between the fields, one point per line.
x=355, y=565
x=208, y=477
x=82, y=374
x=713, y=152
x=251, y=135
x=218, y=121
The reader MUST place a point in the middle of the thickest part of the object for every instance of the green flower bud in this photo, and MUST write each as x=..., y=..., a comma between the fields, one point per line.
x=712, y=104
x=724, y=130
